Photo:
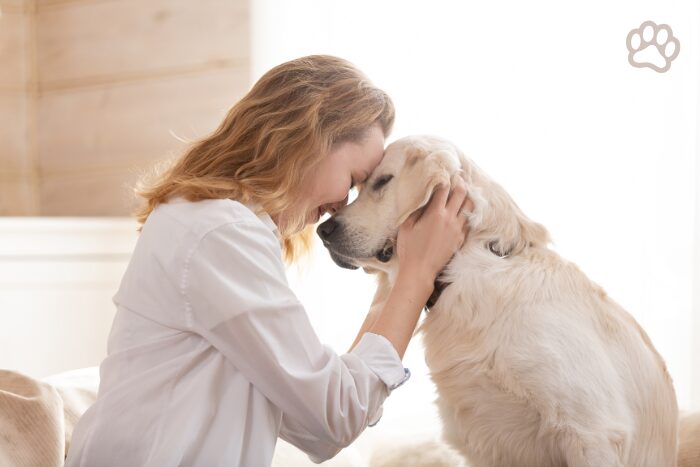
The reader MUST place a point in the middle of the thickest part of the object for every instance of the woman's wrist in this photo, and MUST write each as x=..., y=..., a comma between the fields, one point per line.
x=400, y=313
x=370, y=319
x=421, y=283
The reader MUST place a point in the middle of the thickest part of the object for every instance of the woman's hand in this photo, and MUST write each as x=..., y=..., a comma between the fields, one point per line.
x=427, y=241
x=425, y=244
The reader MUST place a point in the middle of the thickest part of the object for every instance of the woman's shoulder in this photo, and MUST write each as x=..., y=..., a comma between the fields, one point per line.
x=179, y=235
x=197, y=218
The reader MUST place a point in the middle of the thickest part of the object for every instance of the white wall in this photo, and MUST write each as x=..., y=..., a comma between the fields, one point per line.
x=57, y=279
x=541, y=95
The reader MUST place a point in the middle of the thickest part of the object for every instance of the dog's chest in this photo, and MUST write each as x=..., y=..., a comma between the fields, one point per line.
x=466, y=332
x=466, y=366
x=460, y=333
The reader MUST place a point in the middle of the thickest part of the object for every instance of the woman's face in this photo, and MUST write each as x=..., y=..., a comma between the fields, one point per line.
x=347, y=165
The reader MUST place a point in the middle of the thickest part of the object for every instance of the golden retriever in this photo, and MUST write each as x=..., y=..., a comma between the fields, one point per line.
x=534, y=364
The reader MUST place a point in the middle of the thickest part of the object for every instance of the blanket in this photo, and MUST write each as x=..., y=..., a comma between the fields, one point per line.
x=37, y=420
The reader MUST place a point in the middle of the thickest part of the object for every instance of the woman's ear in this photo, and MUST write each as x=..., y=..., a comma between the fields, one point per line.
x=423, y=176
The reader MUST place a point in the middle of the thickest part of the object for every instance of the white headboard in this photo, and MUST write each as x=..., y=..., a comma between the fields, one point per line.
x=57, y=279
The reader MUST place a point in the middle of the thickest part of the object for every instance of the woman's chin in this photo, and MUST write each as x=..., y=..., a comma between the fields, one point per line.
x=313, y=216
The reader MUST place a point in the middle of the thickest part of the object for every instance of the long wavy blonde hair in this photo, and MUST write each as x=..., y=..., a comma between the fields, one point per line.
x=270, y=142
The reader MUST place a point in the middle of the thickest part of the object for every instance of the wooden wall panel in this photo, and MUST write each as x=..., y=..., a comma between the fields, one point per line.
x=129, y=124
x=13, y=134
x=92, y=92
x=13, y=48
x=106, y=193
x=82, y=42
x=17, y=196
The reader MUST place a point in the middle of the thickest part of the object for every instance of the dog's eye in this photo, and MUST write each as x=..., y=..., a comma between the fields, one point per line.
x=381, y=182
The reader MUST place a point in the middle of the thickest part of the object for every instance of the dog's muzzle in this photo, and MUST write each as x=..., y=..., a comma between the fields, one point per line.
x=341, y=261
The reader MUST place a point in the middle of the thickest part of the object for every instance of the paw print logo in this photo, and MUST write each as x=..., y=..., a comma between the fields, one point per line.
x=652, y=46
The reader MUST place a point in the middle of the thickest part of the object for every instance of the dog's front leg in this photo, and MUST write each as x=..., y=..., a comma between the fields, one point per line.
x=593, y=450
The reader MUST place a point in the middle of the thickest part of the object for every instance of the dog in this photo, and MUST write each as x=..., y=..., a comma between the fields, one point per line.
x=534, y=364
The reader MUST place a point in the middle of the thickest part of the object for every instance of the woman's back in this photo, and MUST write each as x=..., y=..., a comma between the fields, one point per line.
x=167, y=396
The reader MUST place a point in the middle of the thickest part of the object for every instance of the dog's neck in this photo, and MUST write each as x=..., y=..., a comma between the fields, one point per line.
x=438, y=287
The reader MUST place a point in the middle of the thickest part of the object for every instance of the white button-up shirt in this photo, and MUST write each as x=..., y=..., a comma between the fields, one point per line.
x=211, y=356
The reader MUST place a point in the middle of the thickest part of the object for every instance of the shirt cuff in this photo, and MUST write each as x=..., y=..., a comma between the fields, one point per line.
x=381, y=357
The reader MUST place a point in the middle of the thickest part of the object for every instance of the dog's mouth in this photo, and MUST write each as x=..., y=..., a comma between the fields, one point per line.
x=343, y=260
x=386, y=253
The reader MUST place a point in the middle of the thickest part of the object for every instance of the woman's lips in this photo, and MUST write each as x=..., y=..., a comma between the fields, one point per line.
x=319, y=213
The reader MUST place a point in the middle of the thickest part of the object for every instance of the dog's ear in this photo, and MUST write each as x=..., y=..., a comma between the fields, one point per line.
x=501, y=221
x=423, y=175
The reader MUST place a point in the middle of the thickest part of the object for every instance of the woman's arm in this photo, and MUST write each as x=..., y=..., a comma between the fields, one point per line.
x=237, y=298
x=425, y=245
x=398, y=317
x=380, y=297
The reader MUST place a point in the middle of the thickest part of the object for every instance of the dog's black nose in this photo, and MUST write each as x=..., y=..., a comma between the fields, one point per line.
x=326, y=229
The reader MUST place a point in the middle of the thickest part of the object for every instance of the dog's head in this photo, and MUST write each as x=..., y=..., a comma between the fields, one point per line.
x=364, y=233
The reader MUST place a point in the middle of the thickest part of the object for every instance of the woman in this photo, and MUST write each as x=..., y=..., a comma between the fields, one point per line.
x=211, y=357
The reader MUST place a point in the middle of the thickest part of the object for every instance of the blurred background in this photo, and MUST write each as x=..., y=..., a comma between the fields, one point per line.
x=540, y=94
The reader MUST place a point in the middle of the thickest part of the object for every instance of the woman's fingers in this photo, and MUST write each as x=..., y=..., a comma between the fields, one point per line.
x=439, y=198
x=467, y=206
x=411, y=220
x=458, y=195
x=450, y=196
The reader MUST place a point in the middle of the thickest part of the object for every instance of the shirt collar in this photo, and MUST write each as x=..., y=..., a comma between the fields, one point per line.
x=265, y=218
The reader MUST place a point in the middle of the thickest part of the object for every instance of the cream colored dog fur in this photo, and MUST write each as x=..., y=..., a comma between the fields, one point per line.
x=534, y=364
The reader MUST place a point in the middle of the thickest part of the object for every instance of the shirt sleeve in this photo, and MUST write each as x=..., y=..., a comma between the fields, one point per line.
x=239, y=300
x=374, y=348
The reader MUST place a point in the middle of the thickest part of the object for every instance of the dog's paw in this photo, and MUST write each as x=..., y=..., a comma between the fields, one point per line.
x=652, y=46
